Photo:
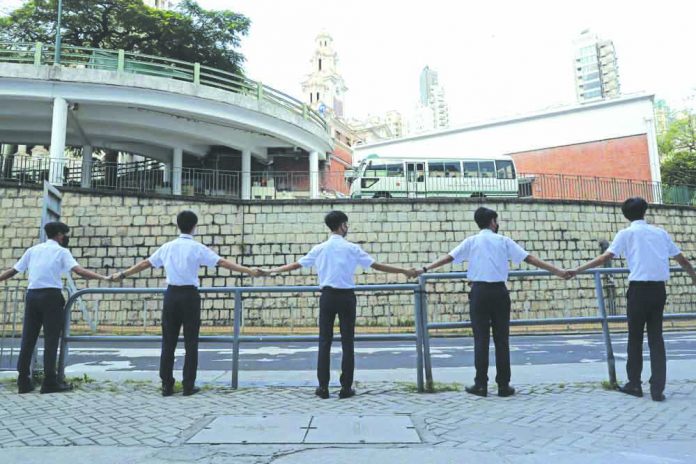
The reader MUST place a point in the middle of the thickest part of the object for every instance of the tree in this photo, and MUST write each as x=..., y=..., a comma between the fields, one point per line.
x=678, y=149
x=189, y=33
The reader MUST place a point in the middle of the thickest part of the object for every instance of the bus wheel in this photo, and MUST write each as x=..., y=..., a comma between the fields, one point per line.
x=382, y=195
x=478, y=195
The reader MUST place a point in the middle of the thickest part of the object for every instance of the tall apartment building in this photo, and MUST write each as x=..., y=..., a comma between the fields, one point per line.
x=596, y=69
x=432, y=96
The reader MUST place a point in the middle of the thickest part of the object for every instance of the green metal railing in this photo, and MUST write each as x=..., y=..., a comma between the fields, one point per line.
x=135, y=63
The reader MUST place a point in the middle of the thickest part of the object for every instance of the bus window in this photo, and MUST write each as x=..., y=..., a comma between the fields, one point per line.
x=452, y=169
x=505, y=169
x=487, y=169
x=471, y=169
x=376, y=170
x=395, y=170
x=436, y=169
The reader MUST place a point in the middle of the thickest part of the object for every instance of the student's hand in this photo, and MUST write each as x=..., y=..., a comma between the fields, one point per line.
x=115, y=277
x=572, y=273
x=562, y=273
x=258, y=272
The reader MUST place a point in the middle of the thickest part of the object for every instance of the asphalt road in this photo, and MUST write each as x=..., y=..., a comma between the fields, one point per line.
x=446, y=352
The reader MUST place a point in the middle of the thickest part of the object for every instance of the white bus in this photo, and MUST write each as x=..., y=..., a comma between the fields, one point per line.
x=405, y=177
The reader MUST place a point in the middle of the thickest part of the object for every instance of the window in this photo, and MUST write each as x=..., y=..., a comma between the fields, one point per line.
x=487, y=169
x=319, y=64
x=311, y=97
x=436, y=169
x=471, y=169
x=385, y=170
x=317, y=96
x=505, y=169
x=453, y=169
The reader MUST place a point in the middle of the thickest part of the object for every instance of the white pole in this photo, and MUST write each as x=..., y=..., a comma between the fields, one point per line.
x=58, y=132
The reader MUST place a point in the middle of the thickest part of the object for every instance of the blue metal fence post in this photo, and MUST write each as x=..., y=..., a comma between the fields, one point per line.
x=417, y=309
x=235, y=342
x=63, y=355
x=426, y=336
x=611, y=364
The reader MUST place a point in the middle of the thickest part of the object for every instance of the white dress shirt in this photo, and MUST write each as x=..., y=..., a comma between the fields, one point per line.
x=488, y=254
x=647, y=250
x=336, y=260
x=46, y=262
x=182, y=258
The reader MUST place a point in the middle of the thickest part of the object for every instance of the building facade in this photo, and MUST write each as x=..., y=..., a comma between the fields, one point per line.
x=432, y=96
x=613, y=139
x=596, y=68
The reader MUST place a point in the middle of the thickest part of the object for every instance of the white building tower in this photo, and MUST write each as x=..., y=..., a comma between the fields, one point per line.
x=324, y=88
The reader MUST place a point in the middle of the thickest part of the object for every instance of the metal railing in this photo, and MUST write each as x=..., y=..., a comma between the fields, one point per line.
x=236, y=338
x=602, y=317
x=422, y=326
x=155, y=177
x=135, y=63
x=12, y=301
x=570, y=187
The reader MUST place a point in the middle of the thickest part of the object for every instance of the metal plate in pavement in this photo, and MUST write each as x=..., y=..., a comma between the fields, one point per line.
x=254, y=429
x=362, y=429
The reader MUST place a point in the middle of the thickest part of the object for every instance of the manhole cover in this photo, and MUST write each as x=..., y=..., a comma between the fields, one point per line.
x=298, y=429
x=362, y=429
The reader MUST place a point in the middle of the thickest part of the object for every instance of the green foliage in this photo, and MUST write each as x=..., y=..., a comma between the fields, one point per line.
x=190, y=33
x=678, y=149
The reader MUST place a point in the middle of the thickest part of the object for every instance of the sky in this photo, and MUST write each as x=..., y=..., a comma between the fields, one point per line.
x=495, y=58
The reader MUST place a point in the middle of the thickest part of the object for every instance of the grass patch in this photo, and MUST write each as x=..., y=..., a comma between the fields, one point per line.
x=606, y=385
x=437, y=387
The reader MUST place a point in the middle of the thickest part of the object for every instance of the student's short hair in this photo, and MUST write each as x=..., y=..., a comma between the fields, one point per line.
x=54, y=228
x=334, y=219
x=634, y=208
x=186, y=220
x=484, y=216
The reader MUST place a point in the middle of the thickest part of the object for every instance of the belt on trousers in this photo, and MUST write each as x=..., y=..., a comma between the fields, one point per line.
x=492, y=284
x=337, y=290
x=646, y=283
x=47, y=289
x=182, y=287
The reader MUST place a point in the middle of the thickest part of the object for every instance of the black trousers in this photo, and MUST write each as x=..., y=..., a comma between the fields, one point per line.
x=645, y=307
x=331, y=303
x=182, y=306
x=489, y=305
x=43, y=307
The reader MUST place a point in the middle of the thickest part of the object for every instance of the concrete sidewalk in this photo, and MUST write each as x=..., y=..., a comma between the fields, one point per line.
x=116, y=420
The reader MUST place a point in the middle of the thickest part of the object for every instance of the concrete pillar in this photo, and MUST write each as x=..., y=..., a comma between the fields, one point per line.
x=314, y=174
x=58, y=132
x=246, y=174
x=177, y=165
x=86, y=178
x=654, y=157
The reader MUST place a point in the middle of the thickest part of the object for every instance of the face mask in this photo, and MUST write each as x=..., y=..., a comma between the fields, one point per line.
x=65, y=241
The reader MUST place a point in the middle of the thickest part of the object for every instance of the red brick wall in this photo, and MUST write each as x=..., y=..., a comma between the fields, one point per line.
x=593, y=170
x=622, y=158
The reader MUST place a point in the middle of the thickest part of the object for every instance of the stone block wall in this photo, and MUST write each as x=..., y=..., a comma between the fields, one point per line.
x=112, y=232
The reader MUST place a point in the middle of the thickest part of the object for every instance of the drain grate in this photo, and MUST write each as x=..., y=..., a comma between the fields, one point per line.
x=308, y=429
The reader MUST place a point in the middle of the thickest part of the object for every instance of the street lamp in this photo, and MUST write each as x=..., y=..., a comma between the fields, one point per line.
x=56, y=57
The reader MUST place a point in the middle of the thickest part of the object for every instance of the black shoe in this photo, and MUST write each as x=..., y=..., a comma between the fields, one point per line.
x=346, y=393
x=322, y=392
x=505, y=390
x=478, y=390
x=167, y=389
x=56, y=388
x=191, y=391
x=25, y=387
x=658, y=396
x=633, y=390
